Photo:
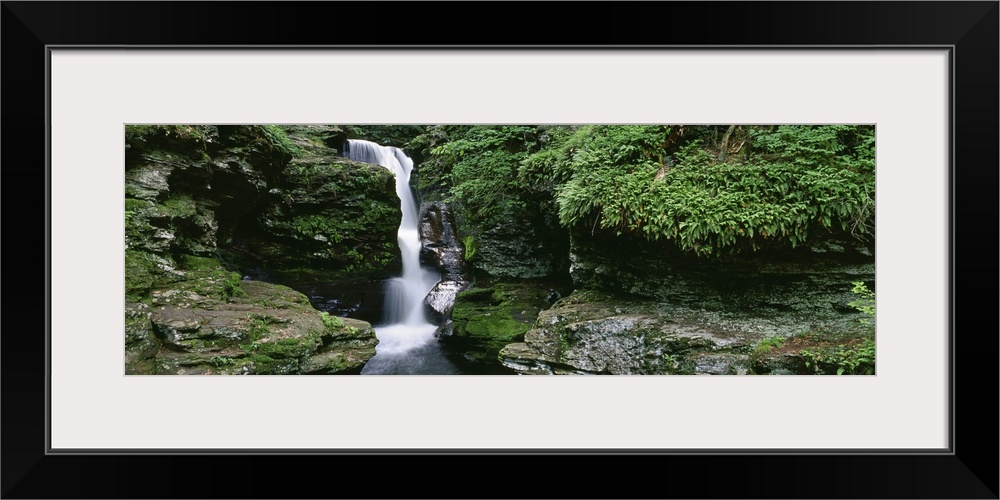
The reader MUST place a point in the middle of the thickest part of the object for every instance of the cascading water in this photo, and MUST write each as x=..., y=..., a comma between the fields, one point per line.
x=406, y=339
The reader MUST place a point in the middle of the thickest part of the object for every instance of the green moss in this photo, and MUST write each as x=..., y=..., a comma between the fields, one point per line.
x=134, y=205
x=348, y=236
x=296, y=348
x=213, y=282
x=484, y=320
x=259, y=325
x=195, y=263
x=475, y=295
x=220, y=361
x=469, y=243
x=231, y=286
x=142, y=273
x=266, y=365
x=180, y=206
x=137, y=226
x=496, y=327
x=262, y=361
x=178, y=131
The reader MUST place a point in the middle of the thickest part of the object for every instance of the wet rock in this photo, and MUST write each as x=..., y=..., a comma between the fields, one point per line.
x=147, y=181
x=441, y=299
x=595, y=332
x=440, y=246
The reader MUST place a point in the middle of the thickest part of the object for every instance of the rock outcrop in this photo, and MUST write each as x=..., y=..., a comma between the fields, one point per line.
x=484, y=320
x=592, y=332
x=441, y=248
x=205, y=320
x=529, y=244
x=267, y=202
x=811, y=280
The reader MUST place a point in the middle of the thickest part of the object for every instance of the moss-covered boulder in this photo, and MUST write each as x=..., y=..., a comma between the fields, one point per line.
x=484, y=320
x=199, y=318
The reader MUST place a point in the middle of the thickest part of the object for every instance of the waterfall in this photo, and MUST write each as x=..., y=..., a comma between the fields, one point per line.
x=405, y=327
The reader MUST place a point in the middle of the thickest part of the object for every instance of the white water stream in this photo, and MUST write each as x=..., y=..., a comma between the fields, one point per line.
x=406, y=339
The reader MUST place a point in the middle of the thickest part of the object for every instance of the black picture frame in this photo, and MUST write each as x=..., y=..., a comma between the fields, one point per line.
x=969, y=28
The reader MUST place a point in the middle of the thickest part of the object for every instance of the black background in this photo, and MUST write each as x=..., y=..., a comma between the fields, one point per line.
x=972, y=27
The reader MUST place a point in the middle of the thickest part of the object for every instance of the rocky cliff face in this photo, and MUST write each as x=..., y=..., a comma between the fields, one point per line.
x=813, y=279
x=661, y=312
x=266, y=202
x=527, y=245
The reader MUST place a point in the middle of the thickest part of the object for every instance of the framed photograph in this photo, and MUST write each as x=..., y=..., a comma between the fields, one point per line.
x=919, y=78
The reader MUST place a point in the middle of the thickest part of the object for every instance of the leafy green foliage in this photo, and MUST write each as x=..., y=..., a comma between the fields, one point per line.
x=769, y=343
x=331, y=322
x=386, y=135
x=139, y=134
x=480, y=164
x=865, y=302
x=795, y=180
x=853, y=359
x=752, y=187
x=856, y=357
x=279, y=140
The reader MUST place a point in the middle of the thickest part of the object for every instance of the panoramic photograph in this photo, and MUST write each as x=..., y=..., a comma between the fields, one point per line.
x=592, y=249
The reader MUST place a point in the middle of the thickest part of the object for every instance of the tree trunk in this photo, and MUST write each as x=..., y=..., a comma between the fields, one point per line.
x=724, y=146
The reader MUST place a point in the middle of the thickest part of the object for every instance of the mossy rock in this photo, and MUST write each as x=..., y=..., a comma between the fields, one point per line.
x=595, y=332
x=484, y=320
x=140, y=342
x=203, y=327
